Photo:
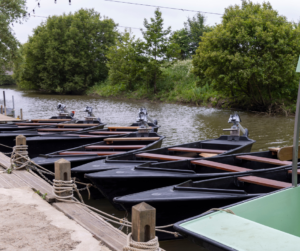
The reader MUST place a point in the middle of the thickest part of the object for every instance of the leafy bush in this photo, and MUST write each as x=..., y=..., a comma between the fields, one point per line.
x=67, y=53
x=251, y=55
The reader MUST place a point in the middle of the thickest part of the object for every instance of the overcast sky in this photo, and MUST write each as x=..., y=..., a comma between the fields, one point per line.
x=133, y=15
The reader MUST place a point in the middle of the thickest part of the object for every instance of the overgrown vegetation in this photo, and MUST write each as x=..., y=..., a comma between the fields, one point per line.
x=251, y=57
x=66, y=54
x=10, y=12
x=177, y=84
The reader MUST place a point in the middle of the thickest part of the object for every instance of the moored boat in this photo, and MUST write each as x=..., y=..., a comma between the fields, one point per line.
x=190, y=198
x=117, y=145
x=120, y=182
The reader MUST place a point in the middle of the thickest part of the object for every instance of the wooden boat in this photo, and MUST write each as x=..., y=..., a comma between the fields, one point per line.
x=179, y=202
x=159, y=174
x=266, y=223
x=117, y=145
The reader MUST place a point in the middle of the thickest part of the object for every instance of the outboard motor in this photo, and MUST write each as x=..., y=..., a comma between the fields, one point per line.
x=142, y=118
x=236, y=127
x=91, y=116
x=63, y=111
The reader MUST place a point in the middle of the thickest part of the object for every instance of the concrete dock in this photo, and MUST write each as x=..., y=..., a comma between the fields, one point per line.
x=30, y=221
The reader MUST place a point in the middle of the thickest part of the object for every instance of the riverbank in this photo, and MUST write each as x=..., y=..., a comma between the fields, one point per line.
x=180, y=85
x=177, y=85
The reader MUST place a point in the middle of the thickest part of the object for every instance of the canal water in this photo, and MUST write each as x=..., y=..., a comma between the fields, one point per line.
x=179, y=123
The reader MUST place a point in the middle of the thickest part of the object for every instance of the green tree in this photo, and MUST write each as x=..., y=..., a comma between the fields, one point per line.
x=67, y=54
x=181, y=38
x=10, y=11
x=157, y=47
x=195, y=28
x=251, y=55
x=126, y=61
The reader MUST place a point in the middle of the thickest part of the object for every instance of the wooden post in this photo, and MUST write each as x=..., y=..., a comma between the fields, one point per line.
x=4, y=101
x=63, y=172
x=20, y=140
x=21, y=114
x=143, y=222
x=1, y=109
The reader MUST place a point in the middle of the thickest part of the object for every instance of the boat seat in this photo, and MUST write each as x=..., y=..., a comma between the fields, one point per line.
x=114, y=128
x=207, y=155
x=34, y=124
x=50, y=120
x=115, y=147
x=274, y=150
x=109, y=133
x=195, y=150
x=76, y=125
x=291, y=171
x=82, y=135
x=264, y=160
x=161, y=156
x=88, y=152
x=57, y=130
x=132, y=139
x=265, y=182
x=220, y=166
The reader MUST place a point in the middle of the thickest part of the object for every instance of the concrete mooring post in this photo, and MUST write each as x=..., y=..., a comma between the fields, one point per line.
x=143, y=222
x=63, y=172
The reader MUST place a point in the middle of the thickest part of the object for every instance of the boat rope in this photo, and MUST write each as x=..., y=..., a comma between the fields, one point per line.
x=152, y=245
x=110, y=218
x=220, y=209
x=63, y=186
x=20, y=159
x=6, y=146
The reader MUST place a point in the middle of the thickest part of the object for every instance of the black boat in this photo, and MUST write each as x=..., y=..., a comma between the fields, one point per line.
x=51, y=128
x=179, y=202
x=224, y=145
x=117, y=145
x=115, y=183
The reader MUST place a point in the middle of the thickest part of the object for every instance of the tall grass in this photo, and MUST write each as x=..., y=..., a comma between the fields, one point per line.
x=177, y=84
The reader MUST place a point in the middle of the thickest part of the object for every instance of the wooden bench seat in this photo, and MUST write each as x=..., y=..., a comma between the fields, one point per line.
x=81, y=135
x=220, y=166
x=161, y=156
x=76, y=125
x=88, y=153
x=264, y=160
x=58, y=130
x=49, y=120
x=290, y=171
x=115, y=147
x=133, y=139
x=265, y=182
x=35, y=124
x=195, y=150
x=109, y=132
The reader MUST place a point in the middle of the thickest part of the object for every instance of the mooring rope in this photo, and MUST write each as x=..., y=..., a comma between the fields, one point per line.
x=20, y=159
x=132, y=245
x=219, y=209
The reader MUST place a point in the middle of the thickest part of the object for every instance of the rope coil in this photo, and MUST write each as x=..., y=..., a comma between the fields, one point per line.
x=132, y=245
x=19, y=157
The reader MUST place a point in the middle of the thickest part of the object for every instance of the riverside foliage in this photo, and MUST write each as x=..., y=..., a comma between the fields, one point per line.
x=251, y=56
x=10, y=12
x=67, y=54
